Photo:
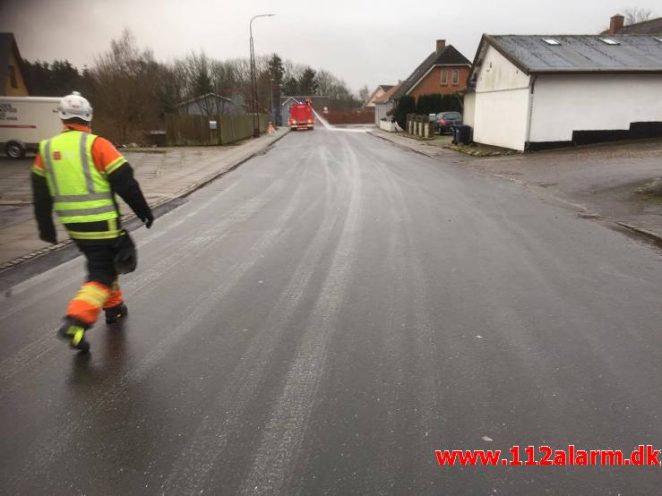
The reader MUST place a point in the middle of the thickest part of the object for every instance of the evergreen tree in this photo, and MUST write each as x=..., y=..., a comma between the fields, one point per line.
x=58, y=78
x=276, y=70
x=276, y=73
x=291, y=86
x=307, y=82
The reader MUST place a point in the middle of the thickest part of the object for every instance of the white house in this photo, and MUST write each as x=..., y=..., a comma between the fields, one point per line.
x=536, y=91
x=384, y=103
x=381, y=90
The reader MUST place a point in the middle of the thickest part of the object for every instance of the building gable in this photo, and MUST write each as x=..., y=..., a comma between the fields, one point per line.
x=497, y=73
x=442, y=79
x=12, y=72
x=444, y=55
x=388, y=96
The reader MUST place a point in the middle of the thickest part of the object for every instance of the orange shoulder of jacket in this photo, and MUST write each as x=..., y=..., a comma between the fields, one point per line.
x=106, y=157
x=38, y=165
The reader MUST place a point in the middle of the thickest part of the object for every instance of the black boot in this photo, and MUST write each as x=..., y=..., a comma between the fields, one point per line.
x=116, y=313
x=74, y=332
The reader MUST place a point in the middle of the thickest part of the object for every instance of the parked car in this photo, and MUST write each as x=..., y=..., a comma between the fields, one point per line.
x=447, y=119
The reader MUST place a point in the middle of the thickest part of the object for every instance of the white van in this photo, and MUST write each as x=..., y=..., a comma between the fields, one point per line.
x=25, y=121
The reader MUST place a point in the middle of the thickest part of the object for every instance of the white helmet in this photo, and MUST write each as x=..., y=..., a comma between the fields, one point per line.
x=74, y=105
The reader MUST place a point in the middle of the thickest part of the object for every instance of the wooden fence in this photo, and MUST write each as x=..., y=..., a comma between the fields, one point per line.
x=191, y=130
x=365, y=116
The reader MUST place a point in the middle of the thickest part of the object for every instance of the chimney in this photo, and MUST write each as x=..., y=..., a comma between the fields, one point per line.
x=441, y=44
x=616, y=24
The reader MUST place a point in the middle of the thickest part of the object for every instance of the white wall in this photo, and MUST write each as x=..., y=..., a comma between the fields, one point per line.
x=469, y=109
x=387, y=126
x=497, y=73
x=380, y=111
x=563, y=103
x=501, y=112
x=501, y=118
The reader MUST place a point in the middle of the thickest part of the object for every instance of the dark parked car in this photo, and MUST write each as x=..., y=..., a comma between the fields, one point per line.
x=447, y=119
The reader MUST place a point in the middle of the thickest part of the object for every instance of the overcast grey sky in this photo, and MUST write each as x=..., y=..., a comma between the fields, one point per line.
x=362, y=42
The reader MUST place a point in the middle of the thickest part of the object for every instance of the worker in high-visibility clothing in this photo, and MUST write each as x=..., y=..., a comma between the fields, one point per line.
x=77, y=174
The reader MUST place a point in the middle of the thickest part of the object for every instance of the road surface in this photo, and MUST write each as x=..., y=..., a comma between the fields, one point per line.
x=323, y=319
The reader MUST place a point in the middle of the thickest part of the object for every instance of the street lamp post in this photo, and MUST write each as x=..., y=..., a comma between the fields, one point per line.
x=256, y=120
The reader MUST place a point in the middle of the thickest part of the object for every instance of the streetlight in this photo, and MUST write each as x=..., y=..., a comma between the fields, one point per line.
x=256, y=121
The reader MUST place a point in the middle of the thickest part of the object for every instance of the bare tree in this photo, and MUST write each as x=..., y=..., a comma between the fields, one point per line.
x=325, y=82
x=197, y=70
x=132, y=92
x=226, y=78
x=200, y=76
x=635, y=15
x=125, y=88
x=364, y=94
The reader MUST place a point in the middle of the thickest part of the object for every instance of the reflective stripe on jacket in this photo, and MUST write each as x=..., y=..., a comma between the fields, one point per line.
x=81, y=193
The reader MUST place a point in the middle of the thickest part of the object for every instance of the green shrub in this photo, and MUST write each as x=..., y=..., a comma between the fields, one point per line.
x=406, y=105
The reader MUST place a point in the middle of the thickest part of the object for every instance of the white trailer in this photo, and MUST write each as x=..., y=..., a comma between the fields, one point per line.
x=25, y=121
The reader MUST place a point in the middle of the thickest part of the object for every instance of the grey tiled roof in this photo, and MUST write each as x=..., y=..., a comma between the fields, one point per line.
x=580, y=53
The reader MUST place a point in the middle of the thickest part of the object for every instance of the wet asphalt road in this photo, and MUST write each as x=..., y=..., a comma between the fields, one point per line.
x=325, y=317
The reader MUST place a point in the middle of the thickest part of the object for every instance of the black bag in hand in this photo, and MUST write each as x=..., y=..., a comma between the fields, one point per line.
x=126, y=256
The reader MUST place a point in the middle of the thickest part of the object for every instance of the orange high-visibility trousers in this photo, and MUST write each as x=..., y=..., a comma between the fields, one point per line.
x=88, y=302
x=101, y=291
x=116, y=298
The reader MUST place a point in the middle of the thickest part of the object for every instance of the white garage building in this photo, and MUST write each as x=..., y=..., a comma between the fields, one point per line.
x=530, y=92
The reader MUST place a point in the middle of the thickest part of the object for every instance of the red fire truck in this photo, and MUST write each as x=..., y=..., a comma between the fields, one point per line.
x=301, y=116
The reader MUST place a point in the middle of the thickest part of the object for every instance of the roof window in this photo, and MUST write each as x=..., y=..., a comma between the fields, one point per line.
x=610, y=41
x=659, y=39
x=551, y=41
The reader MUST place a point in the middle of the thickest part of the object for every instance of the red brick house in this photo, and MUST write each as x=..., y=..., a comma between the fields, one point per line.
x=445, y=71
x=617, y=26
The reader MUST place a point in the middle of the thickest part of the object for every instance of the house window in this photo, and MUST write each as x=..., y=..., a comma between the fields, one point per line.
x=444, y=77
x=455, y=77
x=12, y=77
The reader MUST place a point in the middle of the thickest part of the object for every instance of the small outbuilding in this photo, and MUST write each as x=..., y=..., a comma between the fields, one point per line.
x=385, y=103
x=537, y=91
x=210, y=105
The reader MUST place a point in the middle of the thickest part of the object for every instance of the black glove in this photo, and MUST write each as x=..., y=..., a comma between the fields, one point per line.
x=48, y=237
x=148, y=219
